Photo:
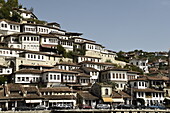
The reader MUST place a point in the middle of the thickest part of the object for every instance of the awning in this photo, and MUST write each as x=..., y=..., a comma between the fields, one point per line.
x=118, y=100
x=33, y=101
x=107, y=99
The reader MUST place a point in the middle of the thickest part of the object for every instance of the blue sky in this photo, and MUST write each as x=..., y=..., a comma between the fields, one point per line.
x=117, y=24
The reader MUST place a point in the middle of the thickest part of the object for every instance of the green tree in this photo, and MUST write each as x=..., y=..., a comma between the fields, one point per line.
x=15, y=17
x=121, y=57
x=12, y=3
x=2, y=2
x=4, y=13
x=108, y=61
x=61, y=50
x=3, y=79
x=134, y=68
x=113, y=84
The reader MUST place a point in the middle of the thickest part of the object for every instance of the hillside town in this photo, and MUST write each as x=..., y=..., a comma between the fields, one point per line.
x=43, y=65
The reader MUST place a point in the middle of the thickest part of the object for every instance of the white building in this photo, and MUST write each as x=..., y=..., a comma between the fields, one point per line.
x=118, y=76
x=55, y=76
x=141, y=63
x=96, y=65
x=9, y=27
x=144, y=91
x=4, y=70
x=27, y=76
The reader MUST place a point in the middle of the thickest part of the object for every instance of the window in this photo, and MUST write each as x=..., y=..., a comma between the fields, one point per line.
x=123, y=76
x=24, y=38
x=27, y=78
x=121, y=85
x=58, y=77
x=54, y=77
x=51, y=77
x=46, y=77
x=2, y=25
x=139, y=83
x=23, y=78
x=19, y=79
x=134, y=83
x=106, y=91
x=72, y=77
x=117, y=76
x=69, y=77
x=137, y=63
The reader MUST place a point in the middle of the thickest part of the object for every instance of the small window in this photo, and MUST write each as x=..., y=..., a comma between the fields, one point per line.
x=54, y=77
x=58, y=77
x=2, y=25
x=106, y=91
x=51, y=77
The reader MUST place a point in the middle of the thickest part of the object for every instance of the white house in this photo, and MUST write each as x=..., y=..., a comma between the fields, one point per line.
x=9, y=27
x=118, y=76
x=96, y=65
x=4, y=70
x=27, y=76
x=144, y=91
x=55, y=76
x=141, y=63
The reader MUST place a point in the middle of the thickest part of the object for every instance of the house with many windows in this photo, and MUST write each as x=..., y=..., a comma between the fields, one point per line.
x=118, y=76
x=147, y=90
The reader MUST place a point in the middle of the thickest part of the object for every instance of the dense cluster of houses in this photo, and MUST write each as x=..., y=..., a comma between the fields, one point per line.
x=37, y=75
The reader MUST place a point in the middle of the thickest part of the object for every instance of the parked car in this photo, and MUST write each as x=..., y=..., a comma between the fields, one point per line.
x=103, y=106
x=85, y=107
x=40, y=107
x=123, y=106
x=64, y=106
x=156, y=107
x=23, y=108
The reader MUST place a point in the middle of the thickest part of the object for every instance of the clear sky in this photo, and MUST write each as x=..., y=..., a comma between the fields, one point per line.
x=116, y=24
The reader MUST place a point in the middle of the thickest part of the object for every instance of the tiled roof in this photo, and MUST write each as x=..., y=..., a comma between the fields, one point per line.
x=67, y=63
x=146, y=78
x=42, y=53
x=99, y=63
x=83, y=75
x=147, y=90
x=31, y=89
x=60, y=97
x=115, y=69
x=30, y=71
x=124, y=95
x=134, y=72
x=59, y=70
x=49, y=35
x=36, y=65
x=87, y=96
x=73, y=33
x=116, y=95
x=17, y=49
x=8, y=21
x=87, y=56
x=89, y=69
x=33, y=96
x=14, y=87
x=55, y=89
